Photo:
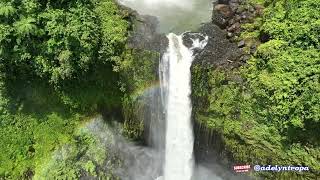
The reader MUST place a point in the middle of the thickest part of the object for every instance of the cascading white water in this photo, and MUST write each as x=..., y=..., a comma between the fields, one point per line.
x=175, y=82
x=174, y=70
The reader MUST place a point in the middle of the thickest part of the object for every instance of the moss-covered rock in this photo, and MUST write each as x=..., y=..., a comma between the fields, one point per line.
x=266, y=112
x=225, y=105
x=138, y=72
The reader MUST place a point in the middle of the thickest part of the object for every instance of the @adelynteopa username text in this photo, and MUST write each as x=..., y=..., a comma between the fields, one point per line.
x=276, y=168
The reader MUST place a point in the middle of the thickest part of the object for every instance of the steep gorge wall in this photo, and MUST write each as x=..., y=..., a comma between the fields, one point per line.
x=230, y=124
x=138, y=71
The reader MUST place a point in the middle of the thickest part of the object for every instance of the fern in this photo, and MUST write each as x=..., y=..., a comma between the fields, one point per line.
x=6, y=10
x=25, y=26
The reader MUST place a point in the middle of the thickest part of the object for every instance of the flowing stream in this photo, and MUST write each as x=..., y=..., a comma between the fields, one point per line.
x=175, y=83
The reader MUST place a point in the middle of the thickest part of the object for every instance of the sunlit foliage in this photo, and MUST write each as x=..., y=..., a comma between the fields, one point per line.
x=268, y=111
x=56, y=70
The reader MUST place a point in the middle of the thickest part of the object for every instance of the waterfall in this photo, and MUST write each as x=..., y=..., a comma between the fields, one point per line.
x=175, y=79
x=172, y=139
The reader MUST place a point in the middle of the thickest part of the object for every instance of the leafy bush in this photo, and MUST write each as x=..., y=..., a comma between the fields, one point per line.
x=294, y=21
x=286, y=81
x=59, y=42
x=268, y=111
x=56, y=69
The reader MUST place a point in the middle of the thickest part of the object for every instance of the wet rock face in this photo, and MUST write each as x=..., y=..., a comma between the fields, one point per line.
x=143, y=34
x=189, y=37
x=224, y=9
x=219, y=51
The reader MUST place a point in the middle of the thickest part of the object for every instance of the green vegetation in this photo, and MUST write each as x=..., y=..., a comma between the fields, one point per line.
x=87, y=154
x=61, y=63
x=268, y=111
x=137, y=70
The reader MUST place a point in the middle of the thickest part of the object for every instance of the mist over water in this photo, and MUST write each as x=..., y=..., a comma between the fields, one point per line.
x=126, y=159
x=174, y=15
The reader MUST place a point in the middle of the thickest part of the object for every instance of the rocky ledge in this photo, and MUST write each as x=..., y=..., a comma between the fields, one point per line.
x=225, y=47
x=230, y=14
x=218, y=51
x=143, y=32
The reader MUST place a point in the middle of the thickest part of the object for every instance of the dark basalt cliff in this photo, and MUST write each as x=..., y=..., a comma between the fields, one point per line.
x=143, y=32
x=219, y=51
x=144, y=35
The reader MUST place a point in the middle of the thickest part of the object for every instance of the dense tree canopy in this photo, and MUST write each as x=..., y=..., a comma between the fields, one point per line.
x=59, y=40
x=62, y=61
x=56, y=69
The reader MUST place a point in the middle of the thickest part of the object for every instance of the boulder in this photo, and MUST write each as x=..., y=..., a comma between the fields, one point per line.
x=188, y=38
x=220, y=20
x=241, y=44
x=224, y=9
x=234, y=27
x=234, y=7
x=221, y=15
